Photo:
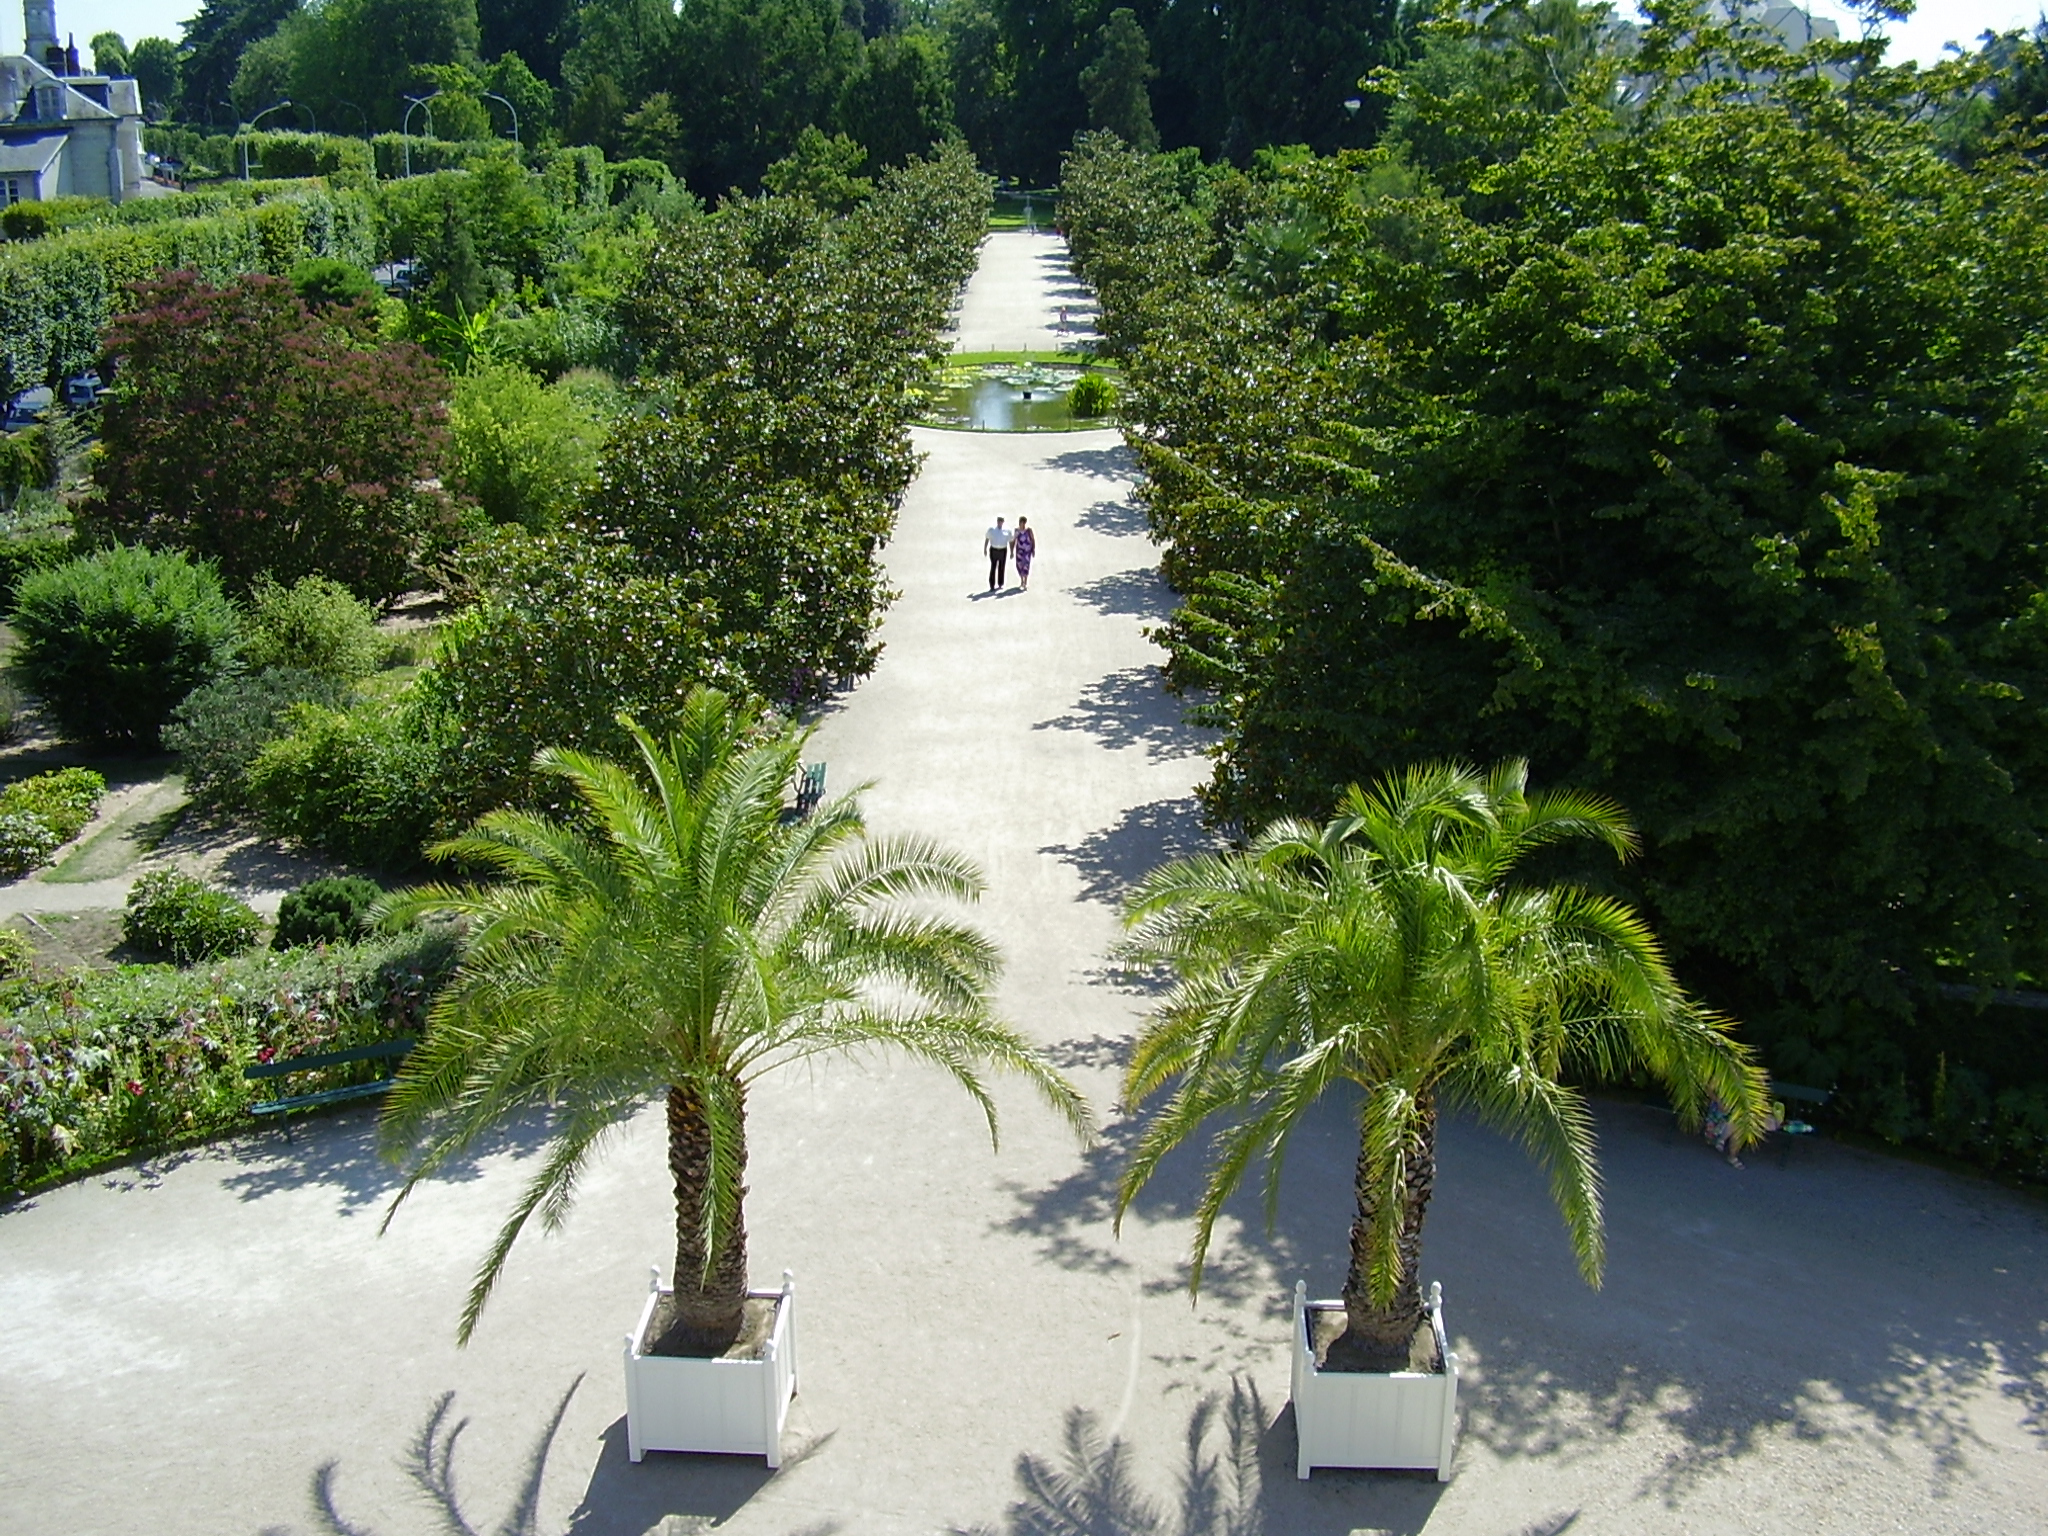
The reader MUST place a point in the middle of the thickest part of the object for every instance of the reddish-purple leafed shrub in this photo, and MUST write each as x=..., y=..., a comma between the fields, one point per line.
x=271, y=439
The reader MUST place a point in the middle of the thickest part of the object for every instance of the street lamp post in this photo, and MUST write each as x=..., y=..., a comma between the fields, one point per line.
x=405, y=125
x=494, y=96
x=275, y=107
x=361, y=116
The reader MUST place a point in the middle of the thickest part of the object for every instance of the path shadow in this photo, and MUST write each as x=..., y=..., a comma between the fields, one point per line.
x=678, y=1491
x=1112, y=861
x=1250, y=1265
x=1140, y=592
x=1235, y=1477
x=1846, y=1300
x=1131, y=708
x=429, y=1465
x=672, y=1493
x=1120, y=518
x=338, y=1151
x=1112, y=463
x=1849, y=1305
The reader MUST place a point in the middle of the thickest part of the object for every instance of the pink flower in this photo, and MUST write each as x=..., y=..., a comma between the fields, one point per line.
x=135, y=1088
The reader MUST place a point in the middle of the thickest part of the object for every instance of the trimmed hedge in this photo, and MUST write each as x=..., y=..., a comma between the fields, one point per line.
x=57, y=294
x=98, y=1065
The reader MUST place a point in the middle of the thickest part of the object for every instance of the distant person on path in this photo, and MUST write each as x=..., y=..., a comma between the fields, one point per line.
x=1026, y=544
x=996, y=545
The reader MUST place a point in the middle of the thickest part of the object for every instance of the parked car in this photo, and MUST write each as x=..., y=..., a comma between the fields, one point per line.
x=26, y=409
x=82, y=391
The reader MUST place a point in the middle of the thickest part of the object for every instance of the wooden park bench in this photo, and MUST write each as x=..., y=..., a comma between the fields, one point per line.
x=291, y=1066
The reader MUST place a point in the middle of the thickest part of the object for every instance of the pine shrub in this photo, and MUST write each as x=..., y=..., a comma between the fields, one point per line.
x=111, y=643
x=335, y=910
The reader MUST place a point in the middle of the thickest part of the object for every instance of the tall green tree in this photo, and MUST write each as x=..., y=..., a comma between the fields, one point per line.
x=749, y=77
x=1115, y=84
x=1402, y=953
x=536, y=30
x=681, y=939
x=109, y=54
x=1728, y=514
x=898, y=102
x=155, y=64
x=370, y=53
x=1292, y=64
x=212, y=51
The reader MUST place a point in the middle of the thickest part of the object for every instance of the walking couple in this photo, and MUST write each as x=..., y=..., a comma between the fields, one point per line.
x=997, y=544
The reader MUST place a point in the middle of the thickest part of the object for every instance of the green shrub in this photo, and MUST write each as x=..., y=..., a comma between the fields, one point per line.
x=314, y=625
x=17, y=954
x=359, y=784
x=221, y=727
x=1092, y=395
x=566, y=633
x=523, y=449
x=22, y=557
x=175, y=915
x=100, y=1064
x=112, y=642
x=325, y=281
x=335, y=910
x=40, y=814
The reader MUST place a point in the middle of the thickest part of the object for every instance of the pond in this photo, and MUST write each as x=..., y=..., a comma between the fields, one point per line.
x=1008, y=397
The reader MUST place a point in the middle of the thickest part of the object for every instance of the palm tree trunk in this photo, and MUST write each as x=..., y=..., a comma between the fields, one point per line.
x=710, y=1303
x=1384, y=1333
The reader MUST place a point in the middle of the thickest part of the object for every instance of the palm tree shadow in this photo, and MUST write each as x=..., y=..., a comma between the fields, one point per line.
x=688, y=1493
x=429, y=1464
x=1235, y=1478
x=1072, y=1218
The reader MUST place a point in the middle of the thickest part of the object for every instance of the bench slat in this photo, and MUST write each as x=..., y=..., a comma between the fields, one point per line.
x=285, y=1067
x=328, y=1096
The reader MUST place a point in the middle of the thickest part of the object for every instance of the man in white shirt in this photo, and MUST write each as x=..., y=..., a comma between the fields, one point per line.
x=996, y=545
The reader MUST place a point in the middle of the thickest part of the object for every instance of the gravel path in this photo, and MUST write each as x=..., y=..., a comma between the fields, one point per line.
x=1847, y=1344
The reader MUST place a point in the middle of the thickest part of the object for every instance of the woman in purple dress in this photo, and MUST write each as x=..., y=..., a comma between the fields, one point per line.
x=1024, y=546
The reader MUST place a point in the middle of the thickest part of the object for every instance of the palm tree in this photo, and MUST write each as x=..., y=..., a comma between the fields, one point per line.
x=1396, y=949
x=682, y=936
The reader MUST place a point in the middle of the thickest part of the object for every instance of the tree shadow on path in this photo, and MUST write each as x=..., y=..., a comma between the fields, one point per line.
x=667, y=1492
x=1140, y=592
x=1131, y=708
x=1112, y=861
x=1235, y=1478
x=1112, y=463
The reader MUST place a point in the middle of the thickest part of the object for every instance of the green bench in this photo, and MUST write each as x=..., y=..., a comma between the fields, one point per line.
x=810, y=788
x=392, y=1050
x=1814, y=1100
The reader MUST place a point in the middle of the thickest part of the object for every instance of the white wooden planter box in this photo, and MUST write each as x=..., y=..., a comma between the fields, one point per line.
x=735, y=1407
x=1372, y=1419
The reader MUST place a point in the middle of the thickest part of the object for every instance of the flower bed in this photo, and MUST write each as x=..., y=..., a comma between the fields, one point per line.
x=99, y=1065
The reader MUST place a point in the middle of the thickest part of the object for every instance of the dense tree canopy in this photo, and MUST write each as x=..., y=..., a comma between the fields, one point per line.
x=1695, y=448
